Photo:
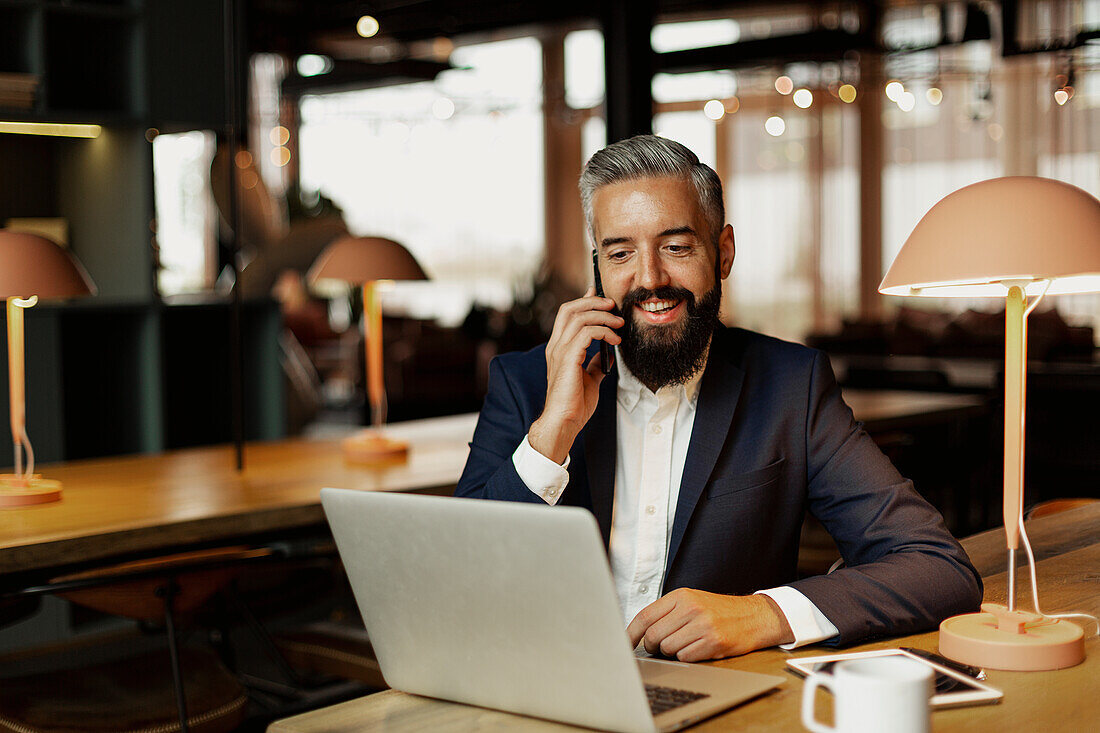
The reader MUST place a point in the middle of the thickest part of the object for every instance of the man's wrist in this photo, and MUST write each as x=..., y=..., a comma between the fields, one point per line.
x=552, y=441
x=807, y=623
x=779, y=629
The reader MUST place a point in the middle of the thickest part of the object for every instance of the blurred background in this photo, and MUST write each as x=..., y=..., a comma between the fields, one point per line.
x=128, y=128
x=458, y=129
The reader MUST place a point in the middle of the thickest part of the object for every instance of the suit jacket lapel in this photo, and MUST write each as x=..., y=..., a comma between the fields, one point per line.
x=600, y=449
x=719, y=391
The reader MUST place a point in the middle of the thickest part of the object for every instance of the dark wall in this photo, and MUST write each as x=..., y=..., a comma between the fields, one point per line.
x=27, y=183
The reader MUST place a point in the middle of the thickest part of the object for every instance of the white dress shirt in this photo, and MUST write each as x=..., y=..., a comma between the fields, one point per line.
x=654, y=430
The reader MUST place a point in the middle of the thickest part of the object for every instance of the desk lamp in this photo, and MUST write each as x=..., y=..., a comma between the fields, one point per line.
x=1017, y=238
x=34, y=267
x=367, y=261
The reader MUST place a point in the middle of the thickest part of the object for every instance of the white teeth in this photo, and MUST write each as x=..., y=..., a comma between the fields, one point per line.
x=659, y=305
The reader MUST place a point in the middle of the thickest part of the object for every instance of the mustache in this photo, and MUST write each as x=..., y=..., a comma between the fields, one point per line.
x=665, y=292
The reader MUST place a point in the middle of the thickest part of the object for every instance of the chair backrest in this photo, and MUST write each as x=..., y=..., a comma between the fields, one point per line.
x=135, y=589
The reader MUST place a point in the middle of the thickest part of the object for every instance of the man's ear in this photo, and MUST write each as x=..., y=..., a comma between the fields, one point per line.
x=726, y=251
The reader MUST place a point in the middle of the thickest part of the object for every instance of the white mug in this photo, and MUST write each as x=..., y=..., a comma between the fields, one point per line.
x=872, y=695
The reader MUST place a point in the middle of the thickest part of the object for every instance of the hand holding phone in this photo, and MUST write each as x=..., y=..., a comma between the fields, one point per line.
x=573, y=379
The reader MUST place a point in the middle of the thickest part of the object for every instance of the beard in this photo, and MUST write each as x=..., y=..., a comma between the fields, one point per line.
x=659, y=355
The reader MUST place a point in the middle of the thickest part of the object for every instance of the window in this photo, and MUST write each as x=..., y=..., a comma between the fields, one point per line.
x=452, y=169
x=186, y=219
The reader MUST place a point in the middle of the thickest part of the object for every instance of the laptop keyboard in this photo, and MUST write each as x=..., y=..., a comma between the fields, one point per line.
x=663, y=699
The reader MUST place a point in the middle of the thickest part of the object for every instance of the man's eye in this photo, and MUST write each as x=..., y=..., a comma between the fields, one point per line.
x=677, y=248
x=617, y=256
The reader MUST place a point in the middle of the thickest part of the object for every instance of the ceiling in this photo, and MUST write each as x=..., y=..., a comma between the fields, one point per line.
x=315, y=26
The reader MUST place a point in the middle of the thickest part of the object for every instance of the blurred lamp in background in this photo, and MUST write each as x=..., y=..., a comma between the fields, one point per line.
x=31, y=267
x=1018, y=238
x=367, y=261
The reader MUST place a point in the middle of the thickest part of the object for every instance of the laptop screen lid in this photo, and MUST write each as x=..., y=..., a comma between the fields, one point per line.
x=497, y=604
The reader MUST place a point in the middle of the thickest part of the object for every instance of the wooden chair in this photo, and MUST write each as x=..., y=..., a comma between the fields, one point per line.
x=191, y=691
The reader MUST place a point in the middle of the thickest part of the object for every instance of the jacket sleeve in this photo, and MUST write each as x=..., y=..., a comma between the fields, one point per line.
x=505, y=418
x=904, y=571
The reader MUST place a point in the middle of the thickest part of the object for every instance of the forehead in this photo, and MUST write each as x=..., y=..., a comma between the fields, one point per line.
x=645, y=202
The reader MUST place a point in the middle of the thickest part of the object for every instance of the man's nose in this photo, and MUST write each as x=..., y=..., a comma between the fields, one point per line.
x=650, y=274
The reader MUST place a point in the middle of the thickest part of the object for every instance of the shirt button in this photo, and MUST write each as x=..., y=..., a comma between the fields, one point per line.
x=643, y=589
x=656, y=429
x=651, y=509
x=552, y=493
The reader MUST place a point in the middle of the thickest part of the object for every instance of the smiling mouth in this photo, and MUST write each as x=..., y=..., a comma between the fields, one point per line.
x=658, y=306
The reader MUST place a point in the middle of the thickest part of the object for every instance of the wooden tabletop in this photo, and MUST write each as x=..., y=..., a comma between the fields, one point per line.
x=1068, y=549
x=886, y=409
x=117, y=507
x=112, y=507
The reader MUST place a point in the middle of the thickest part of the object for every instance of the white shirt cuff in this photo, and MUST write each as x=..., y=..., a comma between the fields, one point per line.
x=807, y=623
x=540, y=474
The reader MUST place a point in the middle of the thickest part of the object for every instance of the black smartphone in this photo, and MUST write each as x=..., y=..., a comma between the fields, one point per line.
x=605, y=348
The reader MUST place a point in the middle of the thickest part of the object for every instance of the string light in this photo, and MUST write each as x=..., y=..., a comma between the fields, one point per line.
x=894, y=90
x=1065, y=82
x=934, y=96
x=775, y=126
x=279, y=135
x=714, y=110
x=906, y=101
x=784, y=85
x=280, y=156
x=367, y=26
x=803, y=98
x=847, y=93
x=312, y=64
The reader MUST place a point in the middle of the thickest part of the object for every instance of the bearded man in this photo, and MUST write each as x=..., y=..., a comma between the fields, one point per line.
x=702, y=449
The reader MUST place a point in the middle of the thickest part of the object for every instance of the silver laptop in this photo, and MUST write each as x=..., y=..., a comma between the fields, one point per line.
x=511, y=606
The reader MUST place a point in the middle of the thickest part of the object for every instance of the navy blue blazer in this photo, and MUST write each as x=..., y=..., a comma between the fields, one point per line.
x=772, y=438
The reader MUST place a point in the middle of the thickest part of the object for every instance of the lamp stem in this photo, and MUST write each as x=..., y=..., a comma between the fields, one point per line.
x=1011, y=580
x=372, y=336
x=1015, y=401
x=16, y=380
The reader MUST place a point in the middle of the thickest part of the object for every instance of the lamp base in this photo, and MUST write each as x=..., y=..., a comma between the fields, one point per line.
x=1011, y=640
x=17, y=491
x=370, y=447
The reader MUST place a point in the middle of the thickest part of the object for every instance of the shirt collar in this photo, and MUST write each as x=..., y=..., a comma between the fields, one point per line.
x=630, y=390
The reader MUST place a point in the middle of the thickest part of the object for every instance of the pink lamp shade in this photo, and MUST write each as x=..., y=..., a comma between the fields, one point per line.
x=33, y=265
x=1018, y=228
x=363, y=259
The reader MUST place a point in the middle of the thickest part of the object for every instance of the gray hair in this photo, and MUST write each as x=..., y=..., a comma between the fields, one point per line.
x=649, y=156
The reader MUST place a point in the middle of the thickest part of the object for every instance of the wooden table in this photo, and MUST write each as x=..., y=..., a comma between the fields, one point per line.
x=121, y=507
x=888, y=409
x=125, y=507
x=1068, y=555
